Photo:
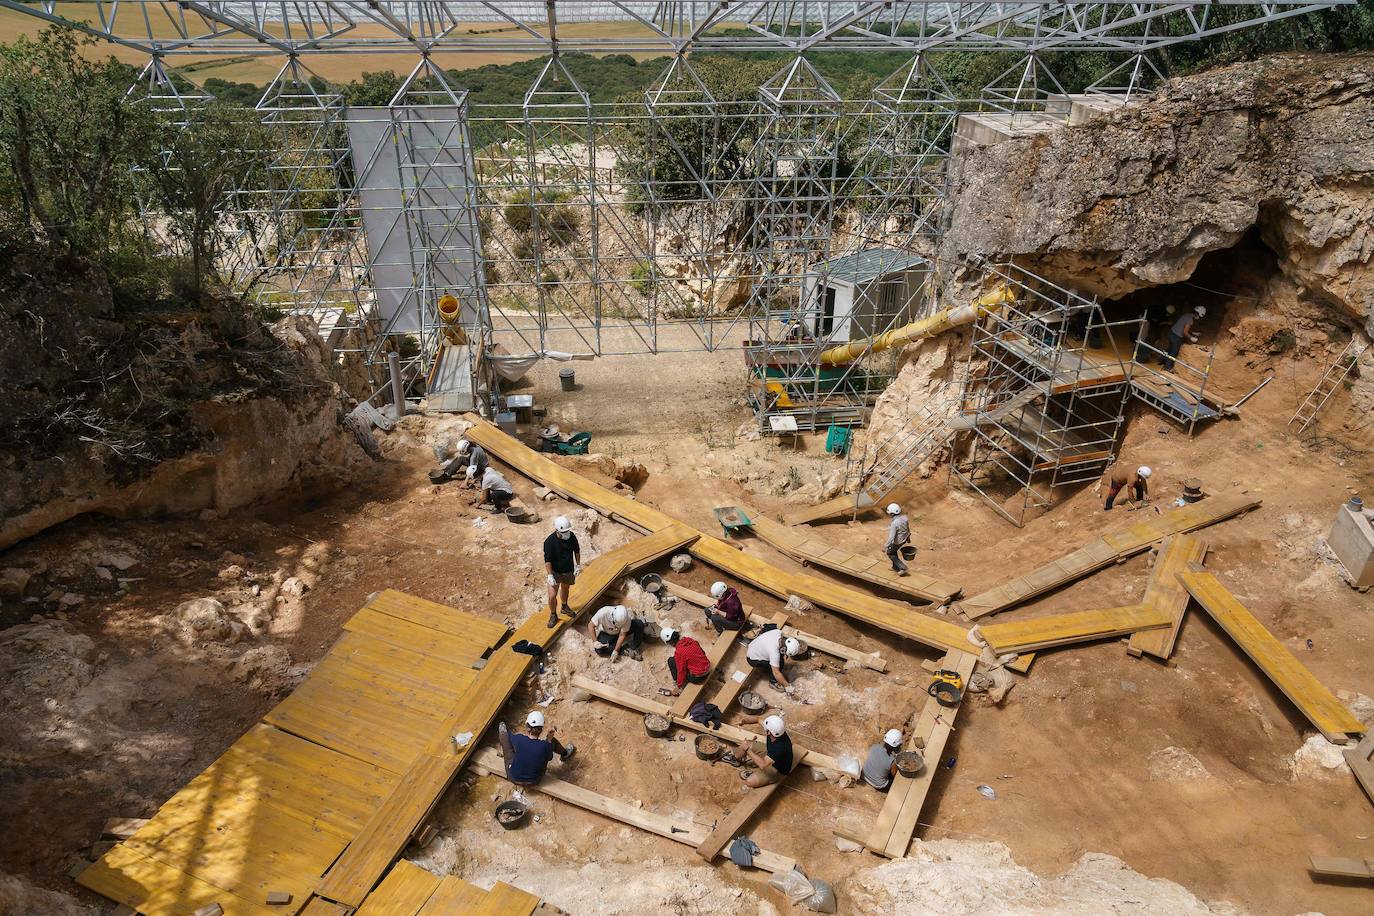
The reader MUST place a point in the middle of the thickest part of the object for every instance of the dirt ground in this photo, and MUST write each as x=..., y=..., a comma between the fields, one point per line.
x=1183, y=771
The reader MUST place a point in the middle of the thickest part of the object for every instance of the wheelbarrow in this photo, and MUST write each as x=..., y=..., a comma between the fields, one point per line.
x=731, y=518
x=576, y=444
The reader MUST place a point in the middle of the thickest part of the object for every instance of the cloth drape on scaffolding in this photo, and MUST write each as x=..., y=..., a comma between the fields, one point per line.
x=513, y=368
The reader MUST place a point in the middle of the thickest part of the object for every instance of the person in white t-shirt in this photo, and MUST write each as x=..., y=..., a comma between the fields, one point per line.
x=615, y=632
x=770, y=649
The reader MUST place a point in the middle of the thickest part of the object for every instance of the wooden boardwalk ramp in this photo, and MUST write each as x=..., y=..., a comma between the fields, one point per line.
x=1165, y=592
x=1104, y=551
x=1068, y=629
x=808, y=549
x=1326, y=713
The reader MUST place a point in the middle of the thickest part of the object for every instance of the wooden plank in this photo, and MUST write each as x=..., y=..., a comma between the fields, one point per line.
x=402, y=892
x=1358, y=758
x=715, y=654
x=804, y=546
x=939, y=722
x=453, y=895
x=602, y=572
x=505, y=900
x=734, y=684
x=729, y=732
x=489, y=763
x=871, y=660
x=438, y=617
x=832, y=508
x=318, y=906
x=729, y=827
x=156, y=889
x=1166, y=593
x=1342, y=867
x=1108, y=549
x=409, y=635
x=1326, y=713
x=1067, y=629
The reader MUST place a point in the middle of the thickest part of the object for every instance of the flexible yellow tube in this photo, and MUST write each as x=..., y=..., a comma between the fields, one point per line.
x=919, y=330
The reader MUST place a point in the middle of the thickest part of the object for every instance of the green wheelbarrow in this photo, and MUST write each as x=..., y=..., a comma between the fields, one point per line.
x=731, y=518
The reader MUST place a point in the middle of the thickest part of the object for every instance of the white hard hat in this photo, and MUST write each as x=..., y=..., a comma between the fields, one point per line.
x=463, y=446
x=893, y=738
x=894, y=509
x=667, y=633
x=1143, y=471
x=717, y=589
x=793, y=646
x=1201, y=310
x=535, y=719
x=562, y=524
x=773, y=725
x=620, y=614
x=472, y=471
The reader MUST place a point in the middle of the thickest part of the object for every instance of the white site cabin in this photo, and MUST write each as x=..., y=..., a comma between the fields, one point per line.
x=862, y=294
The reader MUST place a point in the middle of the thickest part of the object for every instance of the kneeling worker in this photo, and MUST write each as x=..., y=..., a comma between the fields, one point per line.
x=880, y=766
x=776, y=760
x=614, y=631
x=1118, y=480
x=527, y=755
x=767, y=650
x=689, y=661
x=727, y=613
x=494, y=488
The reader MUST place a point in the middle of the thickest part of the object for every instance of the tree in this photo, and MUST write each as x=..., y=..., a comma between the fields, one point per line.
x=221, y=148
x=71, y=136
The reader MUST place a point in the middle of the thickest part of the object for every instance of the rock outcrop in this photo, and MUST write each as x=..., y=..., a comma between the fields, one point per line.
x=1137, y=198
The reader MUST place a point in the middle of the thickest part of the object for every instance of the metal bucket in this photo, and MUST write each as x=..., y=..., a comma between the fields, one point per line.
x=752, y=702
x=657, y=726
x=567, y=379
x=908, y=553
x=910, y=763
x=511, y=814
x=709, y=747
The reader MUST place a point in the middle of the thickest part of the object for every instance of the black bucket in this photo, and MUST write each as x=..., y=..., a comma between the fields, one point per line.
x=567, y=379
x=511, y=814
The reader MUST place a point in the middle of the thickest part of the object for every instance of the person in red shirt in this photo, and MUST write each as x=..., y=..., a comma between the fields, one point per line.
x=689, y=662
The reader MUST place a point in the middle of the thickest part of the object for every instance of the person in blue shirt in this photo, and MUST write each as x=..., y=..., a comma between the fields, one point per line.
x=527, y=755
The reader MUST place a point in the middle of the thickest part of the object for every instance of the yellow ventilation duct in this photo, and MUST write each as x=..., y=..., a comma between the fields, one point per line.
x=919, y=330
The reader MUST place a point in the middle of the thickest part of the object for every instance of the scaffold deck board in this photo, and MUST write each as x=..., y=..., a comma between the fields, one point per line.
x=887, y=615
x=800, y=545
x=1358, y=759
x=1105, y=550
x=681, y=830
x=1326, y=713
x=1067, y=629
x=1165, y=592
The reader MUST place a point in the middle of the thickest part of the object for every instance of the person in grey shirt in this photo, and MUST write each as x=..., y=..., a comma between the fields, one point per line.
x=898, y=536
x=880, y=766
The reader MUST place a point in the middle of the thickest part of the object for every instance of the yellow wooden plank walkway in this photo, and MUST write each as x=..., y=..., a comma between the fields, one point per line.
x=808, y=548
x=831, y=508
x=602, y=572
x=1104, y=551
x=1077, y=627
x=1166, y=593
x=1326, y=713
x=404, y=890
x=887, y=615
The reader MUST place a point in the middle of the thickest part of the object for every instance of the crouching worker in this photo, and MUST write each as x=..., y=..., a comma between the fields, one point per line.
x=527, y=754
x=776, y=760
x=727, y=613
x=880, y=766
x=496, y=490
x=689, y=663
x=615, y=632
x=770, y=650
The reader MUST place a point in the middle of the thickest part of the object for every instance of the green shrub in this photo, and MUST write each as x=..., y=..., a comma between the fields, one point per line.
x=642, y=278
x=561, y=224
x=523, y=249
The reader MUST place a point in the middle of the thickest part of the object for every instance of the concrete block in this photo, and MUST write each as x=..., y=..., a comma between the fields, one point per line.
x=213, y=909
x=1352, y=541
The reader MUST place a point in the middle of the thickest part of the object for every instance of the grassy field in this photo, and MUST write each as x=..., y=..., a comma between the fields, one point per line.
x=338, y=68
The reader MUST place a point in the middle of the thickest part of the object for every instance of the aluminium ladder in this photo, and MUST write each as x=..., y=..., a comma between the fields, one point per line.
x=1326, y=386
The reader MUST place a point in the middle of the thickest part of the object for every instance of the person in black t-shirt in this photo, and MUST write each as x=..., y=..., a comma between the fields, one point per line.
x=776, y=760
x=562, y=565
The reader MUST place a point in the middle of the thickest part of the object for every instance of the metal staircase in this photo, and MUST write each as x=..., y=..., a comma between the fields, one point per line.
x=886, y=464
x=1326, y=386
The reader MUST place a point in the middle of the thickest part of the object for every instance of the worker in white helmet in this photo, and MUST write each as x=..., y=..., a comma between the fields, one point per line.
x=728, y=612
x=614, y=632
x=689, y=664
x=898, y=536
x=1118, y=479
x=527, y=754
x=562, y=566
x=880, y=766
x=777, y=759
x=770, y=649
x=1182, y=328
x=494, y=489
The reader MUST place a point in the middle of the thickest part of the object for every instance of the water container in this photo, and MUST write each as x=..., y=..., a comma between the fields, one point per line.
x=567, y=379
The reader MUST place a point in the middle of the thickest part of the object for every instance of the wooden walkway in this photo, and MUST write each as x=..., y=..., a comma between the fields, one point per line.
x=1326, y=713
x=1104, y=551
x=1167, y=594
x=887, y=615
x=1068, y=629
x=409, y=890
x=285, y=800
x=806, y=548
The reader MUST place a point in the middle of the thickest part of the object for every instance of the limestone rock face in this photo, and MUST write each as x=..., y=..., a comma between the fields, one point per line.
x=1137, y=198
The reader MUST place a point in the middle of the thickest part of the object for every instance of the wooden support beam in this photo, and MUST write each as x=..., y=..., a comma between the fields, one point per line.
x=729, y=732
x=733, y=822
x=1313, y=699
x=1342, y=867
x=1358, y=758
x=601, y=573
x=871, y=660
x=488, y=762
